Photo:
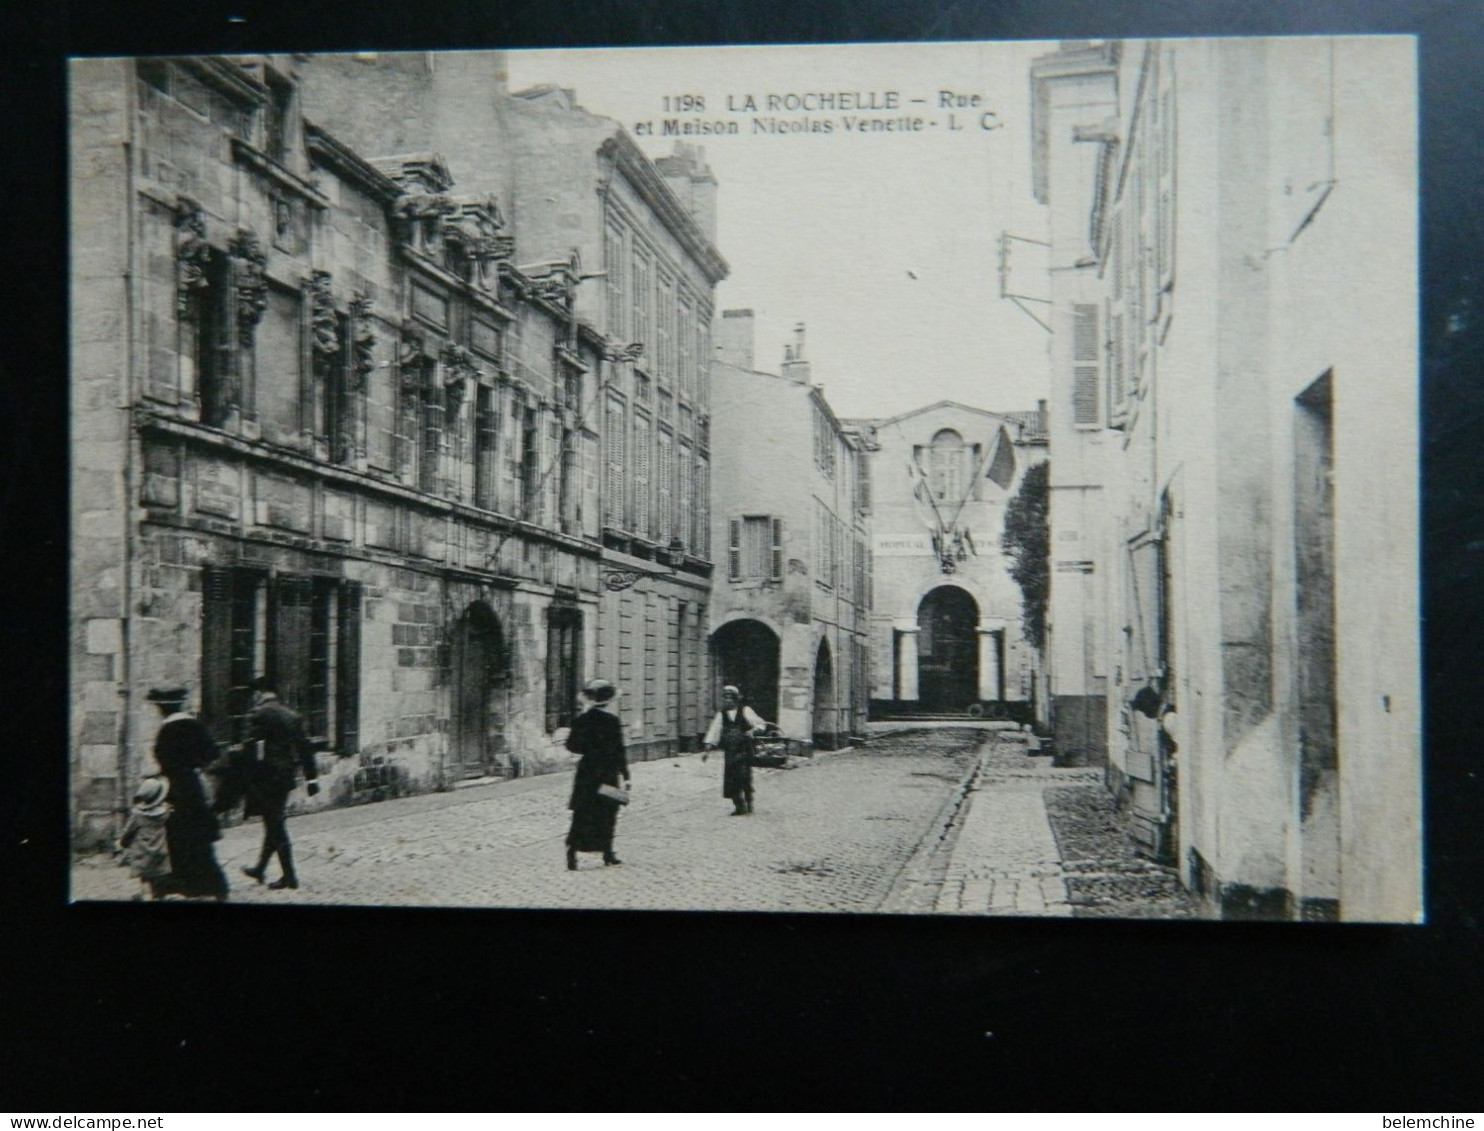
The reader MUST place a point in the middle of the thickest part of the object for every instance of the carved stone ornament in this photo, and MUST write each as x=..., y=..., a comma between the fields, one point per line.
x=472, y=239
x=558, y=282
x=617, y=580
x=324, y=339
x=614, y=350
x=422, y=214
x=250, y=283
x=412, y=357
x=363, y=342
x=458, y=369
x=192, y=254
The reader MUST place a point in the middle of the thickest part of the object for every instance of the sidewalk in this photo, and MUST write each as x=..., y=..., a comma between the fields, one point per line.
x=1005, y=859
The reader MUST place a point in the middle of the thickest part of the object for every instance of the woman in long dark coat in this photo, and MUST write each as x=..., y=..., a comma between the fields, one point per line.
x=597, y=735
x=183, y=746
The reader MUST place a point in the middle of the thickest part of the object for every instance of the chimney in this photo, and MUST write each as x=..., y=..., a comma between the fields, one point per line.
x=1041, y=417
x=732, y=338
x=795, y=367
x=691, y=180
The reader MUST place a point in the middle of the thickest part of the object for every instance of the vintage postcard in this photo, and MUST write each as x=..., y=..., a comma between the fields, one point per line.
x=943, y=479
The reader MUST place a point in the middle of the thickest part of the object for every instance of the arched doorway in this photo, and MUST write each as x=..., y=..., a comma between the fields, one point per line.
x=746, y=654
x=947, y=650
x=476, y=734
x=826, y=725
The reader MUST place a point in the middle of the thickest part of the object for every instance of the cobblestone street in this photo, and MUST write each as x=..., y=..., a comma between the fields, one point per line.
x=949, y=819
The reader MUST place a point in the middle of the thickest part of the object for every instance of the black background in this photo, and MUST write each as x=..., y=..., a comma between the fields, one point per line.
x=189, y=1008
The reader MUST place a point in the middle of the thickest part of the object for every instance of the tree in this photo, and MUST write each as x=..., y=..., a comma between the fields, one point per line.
x=1026, y=541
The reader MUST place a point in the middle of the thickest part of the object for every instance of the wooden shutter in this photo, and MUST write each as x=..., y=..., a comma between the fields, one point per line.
x=777, y=557
x=1085, y=363
x=640, y=464
x=702, y=508
x=216, y=651
x=614, y=464
x=348, y=670
x=734, y=550
x=1166, y=190
x=665, y=477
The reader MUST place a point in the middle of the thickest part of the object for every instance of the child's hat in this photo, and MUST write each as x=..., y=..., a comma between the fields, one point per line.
x=149, y=798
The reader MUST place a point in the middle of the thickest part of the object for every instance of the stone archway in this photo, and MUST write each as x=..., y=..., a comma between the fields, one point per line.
x=479, y=666
x=826, y=724
x=746, y=653
x=947, y=650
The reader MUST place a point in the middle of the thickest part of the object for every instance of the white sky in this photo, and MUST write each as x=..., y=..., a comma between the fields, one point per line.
x=825, y=229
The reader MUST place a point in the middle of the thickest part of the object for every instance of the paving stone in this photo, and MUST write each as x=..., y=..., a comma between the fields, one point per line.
x=831, y=834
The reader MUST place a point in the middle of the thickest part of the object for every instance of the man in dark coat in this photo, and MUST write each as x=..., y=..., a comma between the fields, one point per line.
x=183, y=746
x=286, y=750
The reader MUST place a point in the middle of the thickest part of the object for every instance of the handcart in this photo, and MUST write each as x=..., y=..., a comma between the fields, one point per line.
x=772, y=749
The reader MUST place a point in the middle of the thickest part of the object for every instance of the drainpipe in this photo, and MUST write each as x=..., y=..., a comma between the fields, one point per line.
x=125, y=675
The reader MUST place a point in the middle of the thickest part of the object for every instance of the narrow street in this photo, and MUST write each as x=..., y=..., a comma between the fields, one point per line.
x=952, y=819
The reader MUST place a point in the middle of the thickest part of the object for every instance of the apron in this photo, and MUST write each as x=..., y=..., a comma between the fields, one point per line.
x=736, y=750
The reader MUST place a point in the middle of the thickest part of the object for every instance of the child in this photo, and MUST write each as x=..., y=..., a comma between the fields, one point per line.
x=143, y=838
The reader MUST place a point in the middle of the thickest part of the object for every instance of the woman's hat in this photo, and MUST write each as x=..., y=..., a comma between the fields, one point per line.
x=168, y=695
x=599, y=690
x=731, y=689
x=150, y=797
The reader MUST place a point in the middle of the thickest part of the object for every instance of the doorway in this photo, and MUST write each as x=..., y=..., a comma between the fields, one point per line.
x=948, y=650
x=747, y=657
x=476, y=740
x=826, y=725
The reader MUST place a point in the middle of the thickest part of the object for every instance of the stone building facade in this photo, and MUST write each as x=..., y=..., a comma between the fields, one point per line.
x=1234, y=365
x=333, y=423
x=643, y=233
x=946, y=628
x=790, y=613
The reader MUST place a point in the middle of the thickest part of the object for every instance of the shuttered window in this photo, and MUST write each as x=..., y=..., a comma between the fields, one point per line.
x=641, y=295
x=639, y=460
x=664, y=319
x=1166, y=195
x=701, y=536
x=613, y=266
x=1133, y=280
x=613, y=463
x=685, y=487
x=1084, y=364
x=683, y=347
x=664, y=492
x=755, y=552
